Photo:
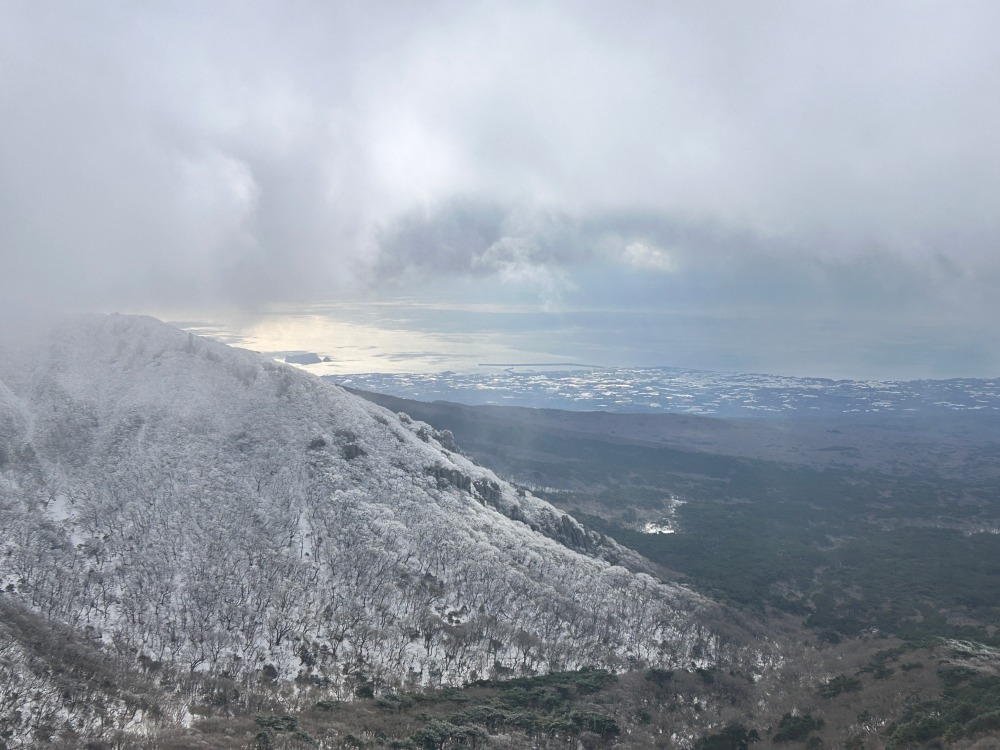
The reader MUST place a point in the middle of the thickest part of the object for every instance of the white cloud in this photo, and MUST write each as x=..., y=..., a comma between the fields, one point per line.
x=648, y=257
x=517, y=262
x=262, y=151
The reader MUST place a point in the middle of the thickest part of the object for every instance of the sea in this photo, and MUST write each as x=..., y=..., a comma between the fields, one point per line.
x=604, y=360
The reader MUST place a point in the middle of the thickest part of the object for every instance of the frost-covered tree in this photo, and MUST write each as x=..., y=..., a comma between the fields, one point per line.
x=211, y=510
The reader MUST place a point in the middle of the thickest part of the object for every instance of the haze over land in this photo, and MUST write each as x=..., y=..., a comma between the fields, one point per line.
x=797, y=188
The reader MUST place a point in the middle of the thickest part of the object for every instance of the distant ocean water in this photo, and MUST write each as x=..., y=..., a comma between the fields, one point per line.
x=605, y=359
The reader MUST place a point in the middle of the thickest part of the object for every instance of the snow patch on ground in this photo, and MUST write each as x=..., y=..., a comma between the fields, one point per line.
x=666, y=524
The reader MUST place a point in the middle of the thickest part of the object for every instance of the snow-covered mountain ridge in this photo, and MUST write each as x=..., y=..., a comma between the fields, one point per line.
x=207, y=509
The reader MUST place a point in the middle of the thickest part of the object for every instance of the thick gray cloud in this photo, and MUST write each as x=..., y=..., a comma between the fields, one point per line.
x=779, y=159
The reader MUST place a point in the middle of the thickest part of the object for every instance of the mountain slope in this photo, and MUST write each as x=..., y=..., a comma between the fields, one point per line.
x=203, y=508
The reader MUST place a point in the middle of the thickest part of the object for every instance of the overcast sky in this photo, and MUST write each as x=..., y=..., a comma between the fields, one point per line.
x=777, y=162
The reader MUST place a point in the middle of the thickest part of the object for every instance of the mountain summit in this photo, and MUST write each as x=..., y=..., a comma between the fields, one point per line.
x=203, y=508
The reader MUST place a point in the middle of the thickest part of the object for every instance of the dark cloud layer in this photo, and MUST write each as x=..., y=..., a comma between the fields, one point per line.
x=785, y=159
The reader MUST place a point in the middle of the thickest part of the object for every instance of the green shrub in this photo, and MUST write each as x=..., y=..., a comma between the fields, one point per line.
x=794, y=728
x=836, y=686
x=659, y=677
x=733, y=737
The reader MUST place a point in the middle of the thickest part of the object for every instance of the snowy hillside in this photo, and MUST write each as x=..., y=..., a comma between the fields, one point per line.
x=207, y=509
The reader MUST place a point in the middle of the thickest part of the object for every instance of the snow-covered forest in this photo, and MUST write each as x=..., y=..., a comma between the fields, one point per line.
x=190, y=507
